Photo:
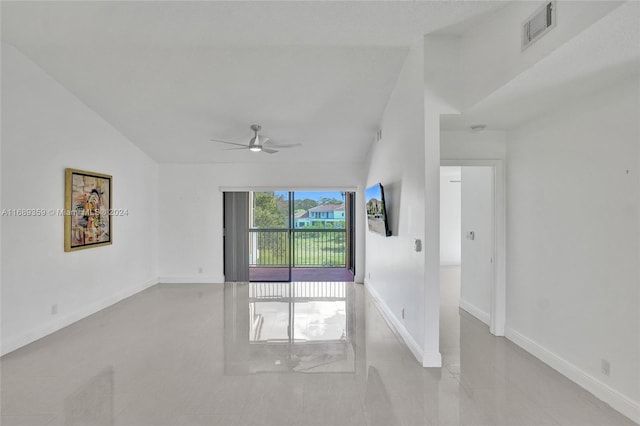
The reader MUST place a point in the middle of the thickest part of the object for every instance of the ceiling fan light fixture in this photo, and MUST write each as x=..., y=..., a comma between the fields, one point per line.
x=257, y=143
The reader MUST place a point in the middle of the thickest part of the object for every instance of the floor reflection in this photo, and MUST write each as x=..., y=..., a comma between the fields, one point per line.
x=379, y=406
x=304, y=327
x=92, y=403
x=286, y=354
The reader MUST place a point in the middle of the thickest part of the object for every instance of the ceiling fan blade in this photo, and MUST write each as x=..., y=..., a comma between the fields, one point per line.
x=284, y=145
x=227, y=142
x=257, y=143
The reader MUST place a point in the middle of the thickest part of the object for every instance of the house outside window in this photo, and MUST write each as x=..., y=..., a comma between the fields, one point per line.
x=322, y=216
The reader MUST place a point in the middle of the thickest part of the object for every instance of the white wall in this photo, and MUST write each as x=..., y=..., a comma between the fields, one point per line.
x=394, y=271
x=450, y=215
x=573, y=243
x=477, y=216
x=191, y=215
x=44, y=130
x=467, y=145
x=406, y=283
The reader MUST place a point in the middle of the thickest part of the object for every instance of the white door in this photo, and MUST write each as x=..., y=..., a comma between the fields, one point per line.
x=477, y=241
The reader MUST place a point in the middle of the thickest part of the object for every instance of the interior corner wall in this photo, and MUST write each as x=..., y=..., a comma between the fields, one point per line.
x=574, y=241
x=45, y=129
x=394, y=271
x=191, y=213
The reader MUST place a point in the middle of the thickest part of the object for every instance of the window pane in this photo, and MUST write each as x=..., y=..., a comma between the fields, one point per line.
x=319, y=209
x=270, y=210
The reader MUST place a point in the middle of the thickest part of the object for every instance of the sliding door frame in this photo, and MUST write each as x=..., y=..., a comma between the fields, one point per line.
x=352, y=235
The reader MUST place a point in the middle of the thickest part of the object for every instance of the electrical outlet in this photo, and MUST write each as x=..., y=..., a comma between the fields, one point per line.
x=605, y=366
x=402, y=313
x=54, y=309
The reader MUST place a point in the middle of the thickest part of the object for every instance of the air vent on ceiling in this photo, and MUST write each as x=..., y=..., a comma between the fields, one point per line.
x=538, y=24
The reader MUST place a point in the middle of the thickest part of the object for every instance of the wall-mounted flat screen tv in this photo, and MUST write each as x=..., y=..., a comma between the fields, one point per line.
x=377, y=211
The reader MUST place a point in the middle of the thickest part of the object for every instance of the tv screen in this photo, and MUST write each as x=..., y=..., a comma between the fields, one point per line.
x=377, y=211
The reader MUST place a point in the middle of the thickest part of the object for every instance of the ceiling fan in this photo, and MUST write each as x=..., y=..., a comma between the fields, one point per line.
x=258, y=143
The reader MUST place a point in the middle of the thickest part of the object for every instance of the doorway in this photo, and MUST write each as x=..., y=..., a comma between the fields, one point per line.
x=298, y=236
x=472, y=241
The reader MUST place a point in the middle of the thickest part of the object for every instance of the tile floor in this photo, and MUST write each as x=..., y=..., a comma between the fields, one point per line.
x=300, y=274
x=237, y=354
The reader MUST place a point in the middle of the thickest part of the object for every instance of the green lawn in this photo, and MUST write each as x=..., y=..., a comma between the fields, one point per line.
x=310, y=249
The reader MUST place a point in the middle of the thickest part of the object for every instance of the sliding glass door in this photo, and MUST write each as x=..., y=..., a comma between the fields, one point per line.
x=300, y=236
x=270, y=236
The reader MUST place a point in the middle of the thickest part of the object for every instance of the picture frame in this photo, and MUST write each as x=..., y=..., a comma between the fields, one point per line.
x=87, y=218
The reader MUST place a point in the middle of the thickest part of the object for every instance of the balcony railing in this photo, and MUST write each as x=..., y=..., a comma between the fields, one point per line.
x=299, y=291
x=298, y=247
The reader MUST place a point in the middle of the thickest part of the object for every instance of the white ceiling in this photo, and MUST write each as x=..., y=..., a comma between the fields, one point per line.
x=605, y=52
x=171, y=75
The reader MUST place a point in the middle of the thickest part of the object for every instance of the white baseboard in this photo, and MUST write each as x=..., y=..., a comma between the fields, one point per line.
x=604, y=392
x=449, y=264
x=475, y=311
x=193, y=279
x=13, y=343
x=395, y=323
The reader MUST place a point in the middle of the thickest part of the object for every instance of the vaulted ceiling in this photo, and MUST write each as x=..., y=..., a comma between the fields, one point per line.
x=603, y=53
x=172, y=75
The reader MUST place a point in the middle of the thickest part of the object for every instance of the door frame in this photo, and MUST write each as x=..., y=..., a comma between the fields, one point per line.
x=498, y=266
x=357, y=207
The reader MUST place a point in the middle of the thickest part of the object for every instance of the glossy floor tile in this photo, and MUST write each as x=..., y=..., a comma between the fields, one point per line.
x=279, y=354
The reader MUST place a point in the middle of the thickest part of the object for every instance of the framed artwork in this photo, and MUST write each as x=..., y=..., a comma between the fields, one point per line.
x=87, y=219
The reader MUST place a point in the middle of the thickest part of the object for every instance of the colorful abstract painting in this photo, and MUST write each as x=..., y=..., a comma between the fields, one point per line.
x=87, y=220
